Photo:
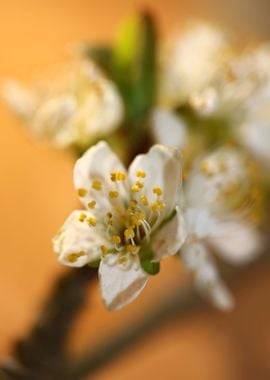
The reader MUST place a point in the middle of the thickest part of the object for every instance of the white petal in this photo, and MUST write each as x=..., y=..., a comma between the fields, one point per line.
x=199, y=222
x=77, y=244
x=21, y=100
x=208, y=282
x=169, y=239
x=53, y=120
x=162, y=166
x=97, y=164
x=237, y=242
x=118, y=286
x=194, y=255
x=168, y=128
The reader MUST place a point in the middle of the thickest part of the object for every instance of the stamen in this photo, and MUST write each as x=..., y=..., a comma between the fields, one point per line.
x=140, y=174
x=133, y=203
x=92, y=204
x=131, y=248
x=82, y=217
x=73, y=257
x=139, y=184
x=157, y=190
x=144, y=200
x=113, y=194
x=104, y=249
x=82, y=192
x=96, y=185
x=160, y=204
x=206, y=169
x=116, y=239
x=129, y=233
x=154, y=207
x=135, y=189
x=92, y=221
x=122, y=260
x=118, y=176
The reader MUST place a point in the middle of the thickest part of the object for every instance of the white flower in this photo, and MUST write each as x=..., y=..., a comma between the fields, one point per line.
x=190, y=63
x=131, y=221
x=75, y=108
x=220, y=201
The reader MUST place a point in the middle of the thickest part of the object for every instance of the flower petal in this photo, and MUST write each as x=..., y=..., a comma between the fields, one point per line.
x=237, y=242
x=97, y=164
x=170, y=238
x=162, y=166
x=21, y=100
x=120, y=286
x=210, y=285
x=199, y=222
x=168, y=129
x=77, y=244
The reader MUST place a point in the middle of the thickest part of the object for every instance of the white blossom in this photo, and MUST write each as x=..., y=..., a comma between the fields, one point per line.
x=127, y=215
x=77, y=107
x=190, y=62
x=219, y=202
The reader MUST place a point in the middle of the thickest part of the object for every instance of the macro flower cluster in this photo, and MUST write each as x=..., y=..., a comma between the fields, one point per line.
x=191, y=121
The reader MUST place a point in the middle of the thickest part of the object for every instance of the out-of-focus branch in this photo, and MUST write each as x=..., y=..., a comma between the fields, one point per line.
x=181, y=302
x=42, y=354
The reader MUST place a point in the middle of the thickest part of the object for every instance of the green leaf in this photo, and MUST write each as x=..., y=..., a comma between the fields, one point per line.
x=102, y=55
x=134, y=67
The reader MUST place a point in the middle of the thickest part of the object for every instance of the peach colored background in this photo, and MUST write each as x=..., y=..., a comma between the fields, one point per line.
x=36, y=194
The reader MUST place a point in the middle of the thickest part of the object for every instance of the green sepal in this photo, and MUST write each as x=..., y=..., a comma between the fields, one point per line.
x=94, y=264
x=150, y=267
x=147, y=263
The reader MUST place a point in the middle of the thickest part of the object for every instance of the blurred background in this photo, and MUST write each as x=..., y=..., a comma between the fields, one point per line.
x=36, y=195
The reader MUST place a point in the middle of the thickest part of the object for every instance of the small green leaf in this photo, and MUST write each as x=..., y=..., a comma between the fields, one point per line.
x=150, y=267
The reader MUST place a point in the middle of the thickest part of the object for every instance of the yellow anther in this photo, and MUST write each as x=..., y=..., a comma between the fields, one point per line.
x=135, y=189
x=82, y=217
x=133, y=203
x=131, y=248
x=73, y=257
x=206, y=169
x=113, y=194
x=91, y=221
x=129, y=233
x=109, y=215
x=140, y=174
x=122, y=260
x=104, y=249
x=116, y=239
x=144, y=200
x=113, y=177
x=82, y=192
x=118, y=176
x=139, y=184
x=160, y=205
x=109, y=222
x=118, y=209
x=96, y=185
x=92, y=204
x=157, y=190
x=155, y=207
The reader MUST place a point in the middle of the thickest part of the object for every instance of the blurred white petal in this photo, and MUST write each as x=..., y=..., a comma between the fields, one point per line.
x=237, y=242
x=168, y=128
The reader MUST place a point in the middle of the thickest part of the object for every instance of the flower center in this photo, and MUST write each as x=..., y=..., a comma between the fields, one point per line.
x=129, y=222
